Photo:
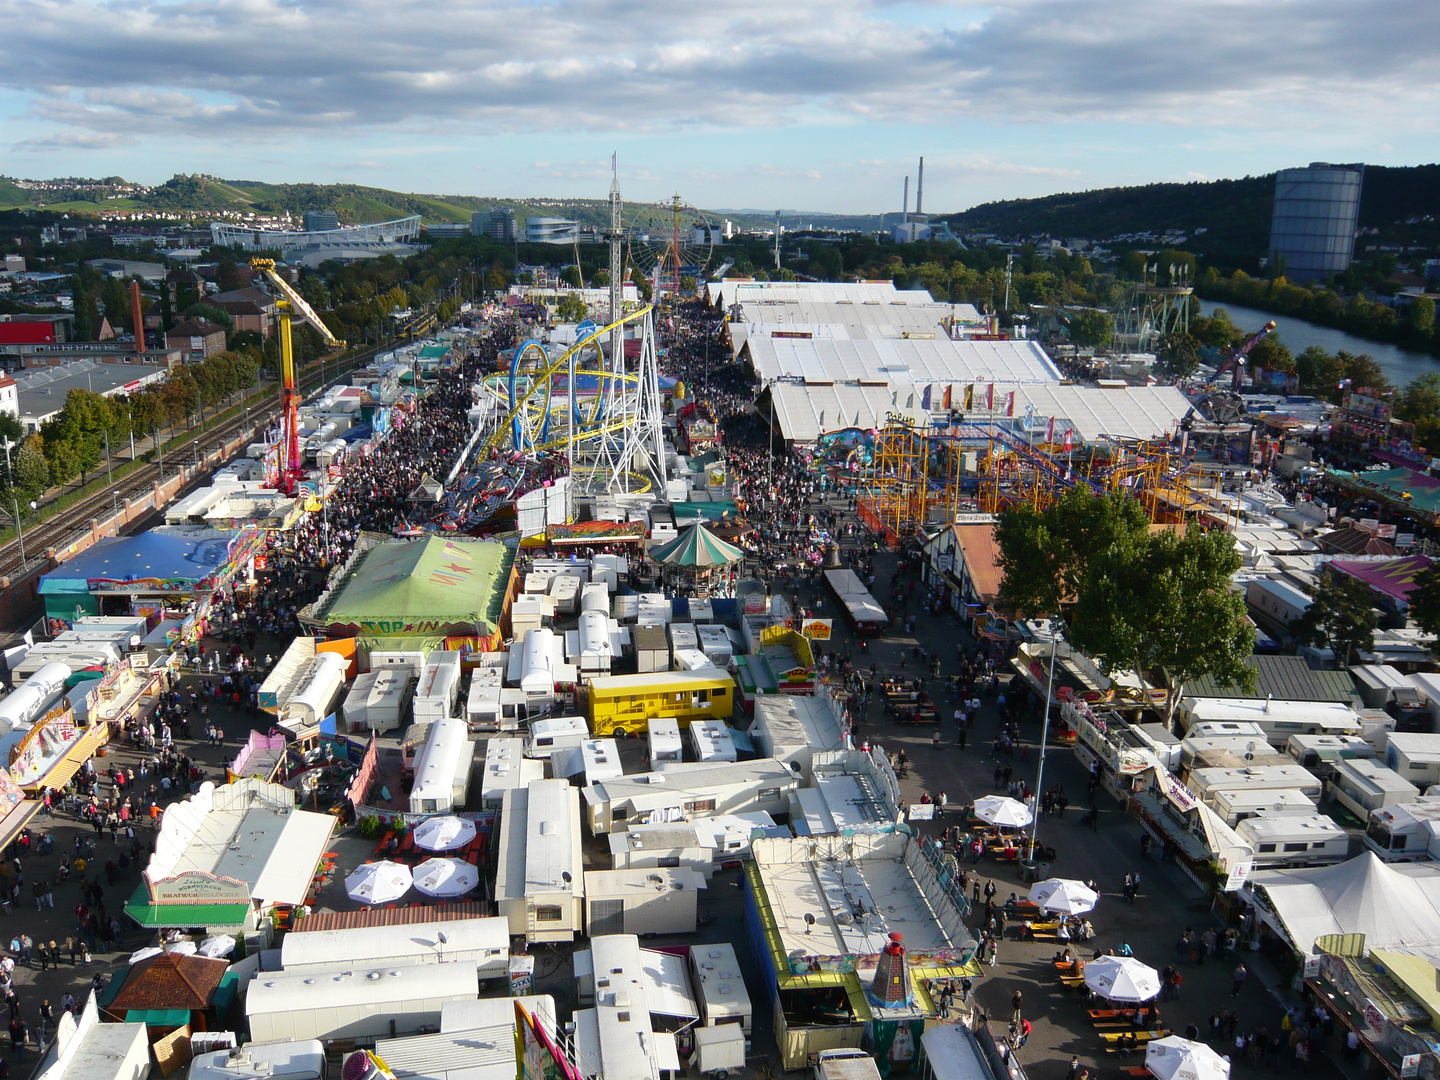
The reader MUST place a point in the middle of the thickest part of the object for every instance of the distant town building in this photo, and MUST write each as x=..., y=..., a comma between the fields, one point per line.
x=14, y=264
x=1312, y=234
x=249, y=309
x=321, y=221
x=9, y=396
x=199, y=338
x=496, y=224
x=545, y=230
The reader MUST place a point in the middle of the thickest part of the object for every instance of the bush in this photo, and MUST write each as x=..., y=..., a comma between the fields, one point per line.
x=368, y=826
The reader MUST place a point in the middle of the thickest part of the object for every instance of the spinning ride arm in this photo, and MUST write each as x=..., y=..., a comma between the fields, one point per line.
x=1236, y=361
x=291, y=302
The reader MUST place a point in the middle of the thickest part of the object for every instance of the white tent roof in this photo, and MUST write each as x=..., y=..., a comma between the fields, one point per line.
x=804, y=413
x=1395, y=907
x=913, y=360
x=1136, y=412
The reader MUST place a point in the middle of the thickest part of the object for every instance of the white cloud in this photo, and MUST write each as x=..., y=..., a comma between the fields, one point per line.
x=265, y=69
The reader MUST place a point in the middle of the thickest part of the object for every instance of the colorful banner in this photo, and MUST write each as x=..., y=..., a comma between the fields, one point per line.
x=539, y=1057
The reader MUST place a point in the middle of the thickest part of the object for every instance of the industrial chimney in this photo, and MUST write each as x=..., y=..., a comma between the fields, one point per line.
x=905, y=202
x=138, y=316
x=920, y=189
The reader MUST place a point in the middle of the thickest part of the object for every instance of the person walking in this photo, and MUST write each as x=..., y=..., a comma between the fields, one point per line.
x=1238, y=979
x=1016, y=1009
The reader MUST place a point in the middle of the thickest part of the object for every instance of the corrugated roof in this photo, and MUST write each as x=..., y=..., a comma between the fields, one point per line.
x=1287, y=678
x=912, y=360
x=981, y=554
x=405, y=916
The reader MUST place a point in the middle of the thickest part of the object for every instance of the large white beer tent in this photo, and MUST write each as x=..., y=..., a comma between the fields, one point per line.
x=912, y=361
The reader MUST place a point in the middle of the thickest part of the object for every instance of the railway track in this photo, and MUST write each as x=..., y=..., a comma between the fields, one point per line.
x=70, y=524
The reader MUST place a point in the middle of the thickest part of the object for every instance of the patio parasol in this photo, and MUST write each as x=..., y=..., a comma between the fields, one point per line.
x=1122, y=978
x=446, y=877
x=1064, y=896
x=378, y=883
x=1003, y=811
x=1174, y=1058
x=444, y=833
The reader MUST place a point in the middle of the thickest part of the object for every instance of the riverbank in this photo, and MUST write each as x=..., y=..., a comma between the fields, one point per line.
x=1374, y=324
x=1401, y=366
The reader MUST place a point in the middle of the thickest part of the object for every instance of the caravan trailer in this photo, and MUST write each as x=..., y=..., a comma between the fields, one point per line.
x=506, y=767
x=710, y=740
x=537, y=672
x=565, y=591
x=491, y=706
x=1293, y=840
x=1406, y=832
x=438, y=691
x=551, y=733
x=316, y=692
x=1364, y=785
x=625, y=704
x=665, y=741
x=1319, y=753
x=1204, y=783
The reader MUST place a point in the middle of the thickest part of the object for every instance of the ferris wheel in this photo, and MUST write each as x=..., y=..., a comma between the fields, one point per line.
x=671, y=243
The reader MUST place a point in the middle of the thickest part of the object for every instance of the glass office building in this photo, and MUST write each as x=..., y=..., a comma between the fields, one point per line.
x=1316, y=210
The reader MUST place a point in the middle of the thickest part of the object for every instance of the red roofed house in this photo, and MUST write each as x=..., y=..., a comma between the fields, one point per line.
x=199, y=338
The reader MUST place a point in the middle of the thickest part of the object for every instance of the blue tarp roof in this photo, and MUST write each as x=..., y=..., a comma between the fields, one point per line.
x=174, y=556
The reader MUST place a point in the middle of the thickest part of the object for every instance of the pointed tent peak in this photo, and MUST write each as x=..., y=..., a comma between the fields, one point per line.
x=697, y=546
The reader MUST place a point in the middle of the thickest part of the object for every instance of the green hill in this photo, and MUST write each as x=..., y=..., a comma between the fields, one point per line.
x=1234, y=214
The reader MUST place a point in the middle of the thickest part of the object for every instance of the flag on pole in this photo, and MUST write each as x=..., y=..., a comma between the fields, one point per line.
x=1029, y=418
x=910, y=401
x=925, y=398
x=990, y=398
x=969, y=397
x=1010, y=404
x=1050, y=431
x=1069, y=440
x=945, y=403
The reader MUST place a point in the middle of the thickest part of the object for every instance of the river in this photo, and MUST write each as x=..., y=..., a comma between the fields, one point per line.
x=1401, y=366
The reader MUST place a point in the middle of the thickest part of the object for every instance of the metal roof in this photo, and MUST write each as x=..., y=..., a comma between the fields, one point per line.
x=909, y=361
x=1285, y=678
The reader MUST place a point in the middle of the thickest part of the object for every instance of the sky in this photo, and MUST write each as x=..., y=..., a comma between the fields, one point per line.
x=820, y=105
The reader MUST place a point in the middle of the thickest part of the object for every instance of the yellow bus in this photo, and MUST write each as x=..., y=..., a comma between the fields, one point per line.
x=625, y=704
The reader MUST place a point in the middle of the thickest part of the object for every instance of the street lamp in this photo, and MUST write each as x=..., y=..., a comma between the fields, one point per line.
x=1055, y=627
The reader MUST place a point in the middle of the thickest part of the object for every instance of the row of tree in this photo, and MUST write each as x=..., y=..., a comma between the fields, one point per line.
x=1413, y=327
x=74, y=442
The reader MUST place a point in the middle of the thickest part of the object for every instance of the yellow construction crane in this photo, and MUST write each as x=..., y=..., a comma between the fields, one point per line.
x=291, y=303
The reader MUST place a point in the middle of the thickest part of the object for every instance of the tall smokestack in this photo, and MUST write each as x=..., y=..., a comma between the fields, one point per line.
x=905, y=202
x=138, y=316
x=920, y=189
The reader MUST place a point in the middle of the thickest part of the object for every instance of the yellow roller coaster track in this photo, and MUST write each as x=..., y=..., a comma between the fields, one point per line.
x=547, y=375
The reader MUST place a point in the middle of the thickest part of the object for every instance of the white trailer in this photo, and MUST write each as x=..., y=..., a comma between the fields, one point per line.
x=1277, y=719
x=551, y=733
x=595, y=597
x=1378, y=685
x=315, y=694
x=1415, y=755
x=591, y=645
x=438, y=692
x=32, y=698
x=662, y=900
x=1406, y=832
x=378, y=700
x=442, y=768
x=506, y=767
x=682, y=638
x=1319, y=753
x=719, y=987
x=1294, y=840
x=665, y=741
x=482, y=943
x=1280, y=603
x=711, y=742
x=537, y=672
x=1362, y=786
x=1204, y=783
x=360, y=1002
x=1242, y=746
x=1234, y=805
x=565, y=591
x=715, y=643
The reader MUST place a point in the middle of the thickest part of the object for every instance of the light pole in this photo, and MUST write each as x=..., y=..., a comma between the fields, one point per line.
x=109, y=475
x=1055, y=626
x=19, y=532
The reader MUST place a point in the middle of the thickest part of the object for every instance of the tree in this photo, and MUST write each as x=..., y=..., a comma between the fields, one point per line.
x=1158, y=605
x=1318, y=370
x=570, y=308
x=1341, y=615
x=1425, y=602
x=1270, y=354
x=1419, y=403
x=1362, y=371
x=83, y=303
x=1167, y=612
x=1178, y=356
x=1091, y=329
x=11, y=433
x=32, y=471
x=1422, y=314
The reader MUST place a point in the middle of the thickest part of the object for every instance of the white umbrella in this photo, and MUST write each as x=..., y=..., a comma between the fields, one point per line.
x=446, y=877
x=444, y=833
x=378, y=883
x=145, y=953
x=184, y=948
x=1003, y=811
x=1064, y=896
x=1122, y=978
x=1174, y=1058
x=217, y=947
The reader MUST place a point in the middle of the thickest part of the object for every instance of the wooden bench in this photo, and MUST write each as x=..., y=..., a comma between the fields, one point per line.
x=1112, y=1039
x=1112, y=1014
